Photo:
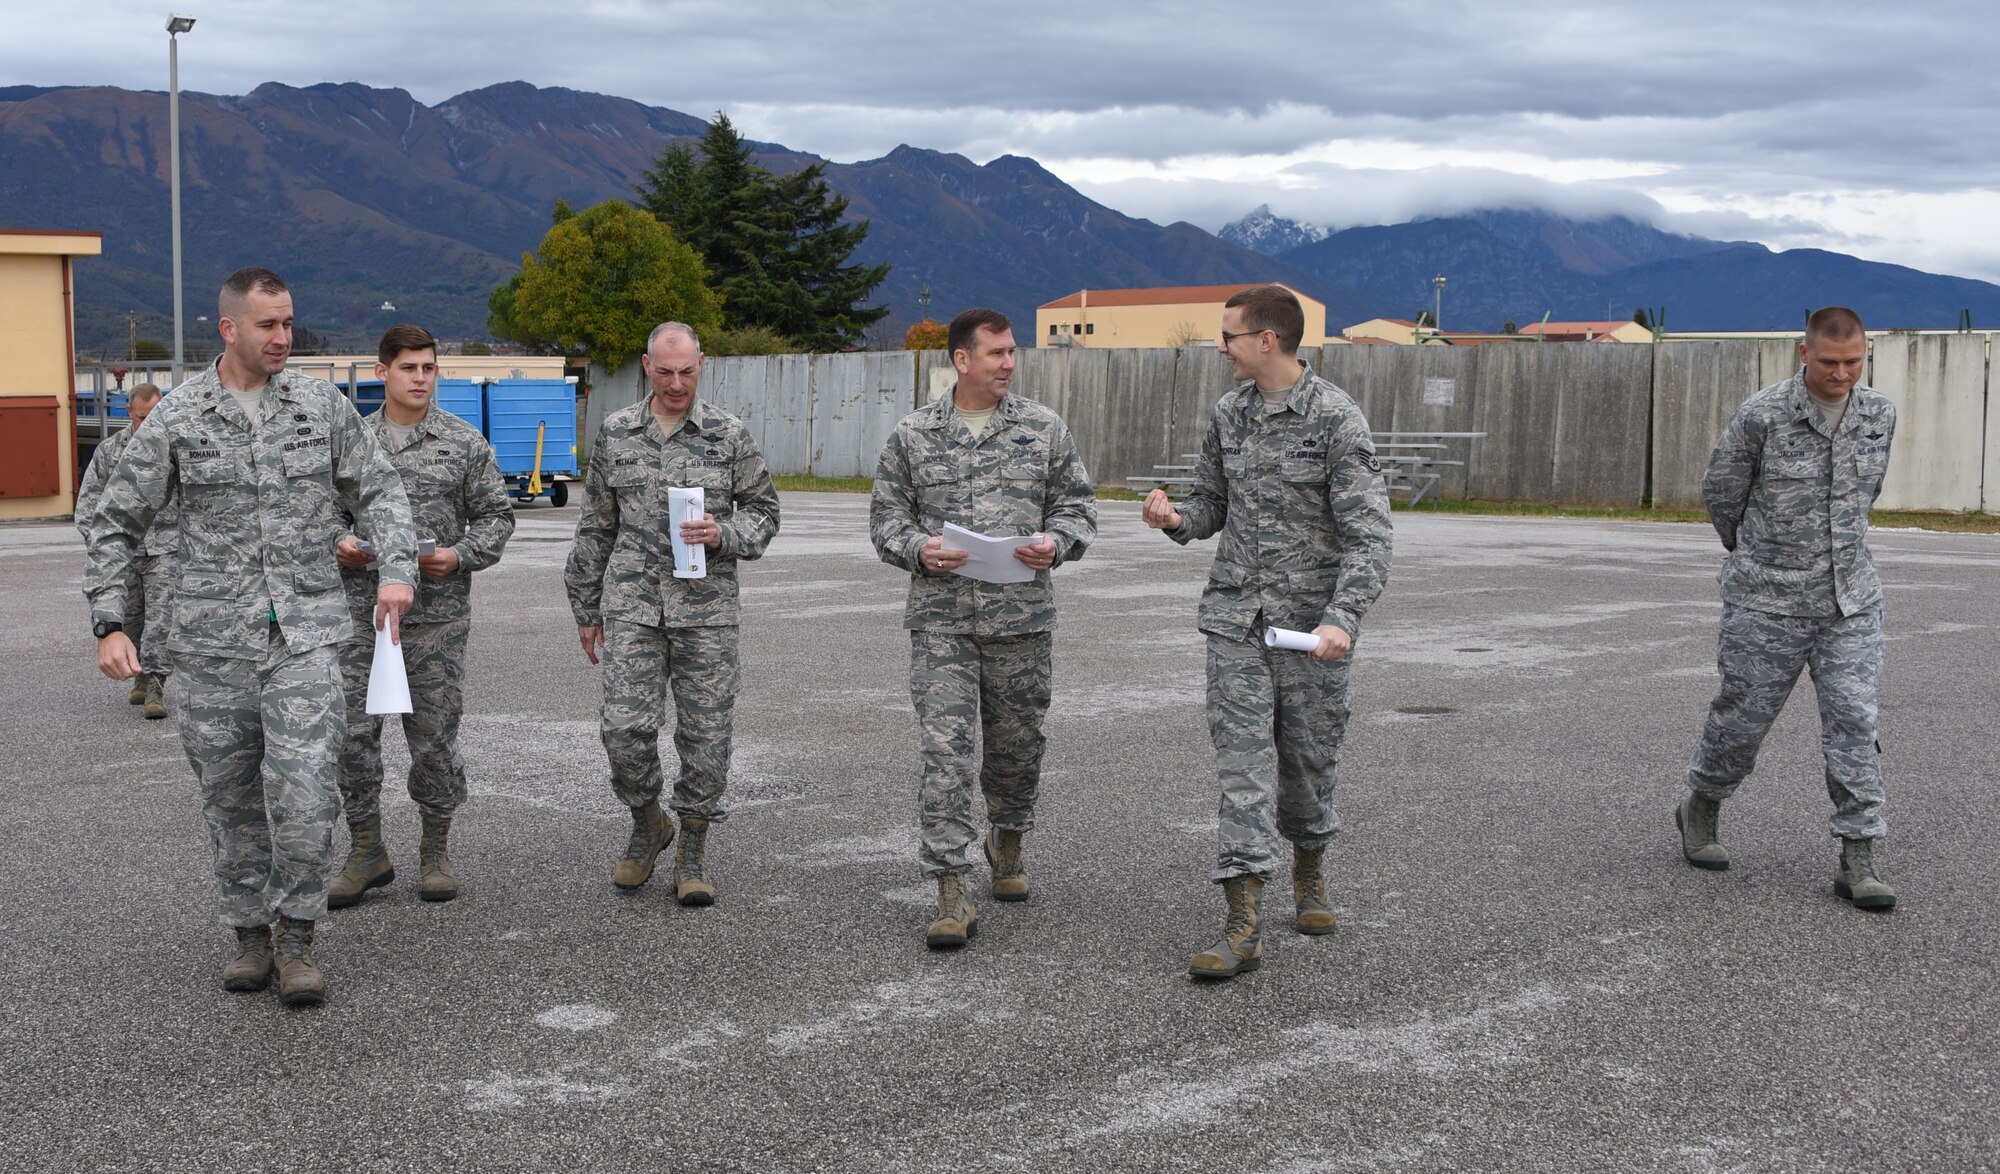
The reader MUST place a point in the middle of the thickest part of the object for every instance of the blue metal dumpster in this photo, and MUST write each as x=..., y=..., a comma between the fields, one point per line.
x=518, y=413
x=464, y=398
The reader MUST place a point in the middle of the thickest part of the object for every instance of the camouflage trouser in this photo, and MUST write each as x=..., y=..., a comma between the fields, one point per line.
x=1277, y=719
x=152, y=605
x=434, y=659
x=982, y=696
x=640, y=664
x=1760, y=656
x=262, y=735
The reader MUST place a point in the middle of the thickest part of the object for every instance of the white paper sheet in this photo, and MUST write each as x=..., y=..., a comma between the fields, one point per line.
x=690, y=558
x=989, y=557
x=1289, y=640
x=388, y=683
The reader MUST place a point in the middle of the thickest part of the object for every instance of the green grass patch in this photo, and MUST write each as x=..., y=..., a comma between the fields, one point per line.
x=805, y=483
x=1974, y=523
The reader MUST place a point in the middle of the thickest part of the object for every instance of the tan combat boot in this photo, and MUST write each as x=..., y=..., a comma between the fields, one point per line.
x=1698, y=817
x=1003, y=853
x=250, y=969
x=1241, y=949
x=652, y=831
x=1315, y=916
x=437, y=882
x=156, y=701
x=691, y=885
x=367, y=865
x=1858, y=882
x=138, y=694
x=300, y=984
x=957, y=921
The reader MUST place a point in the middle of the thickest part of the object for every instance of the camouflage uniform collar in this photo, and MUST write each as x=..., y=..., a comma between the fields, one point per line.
x=1803, y=406
x=944, y=412
x=1297, y=399
x=379, y=423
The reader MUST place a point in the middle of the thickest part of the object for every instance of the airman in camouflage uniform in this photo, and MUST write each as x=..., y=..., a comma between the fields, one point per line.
x=980, y=653
x=461, y=504
x=1288, y=475
x=1789, y=488
x=259, y=612
x=658, y=632
x=151, y=595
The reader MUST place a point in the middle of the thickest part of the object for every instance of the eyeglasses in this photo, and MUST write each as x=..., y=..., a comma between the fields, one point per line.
x=1227, y=337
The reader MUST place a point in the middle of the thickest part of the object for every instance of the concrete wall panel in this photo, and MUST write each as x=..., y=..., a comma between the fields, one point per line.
x=1938, y=384
x=1697, y=387
x=772, y=395
x=1200, y=377
x=1601, y=439
x=856, y=401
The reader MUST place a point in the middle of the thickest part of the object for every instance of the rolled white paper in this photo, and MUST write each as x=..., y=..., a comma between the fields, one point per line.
x=426, y=547
x=690, y=558
x=388, y=683
x=1289, y=640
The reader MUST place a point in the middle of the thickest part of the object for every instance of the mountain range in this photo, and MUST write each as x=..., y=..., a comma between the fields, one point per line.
x=365, y=198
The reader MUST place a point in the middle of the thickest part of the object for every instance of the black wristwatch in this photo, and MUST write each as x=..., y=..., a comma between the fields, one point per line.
x=104, y=628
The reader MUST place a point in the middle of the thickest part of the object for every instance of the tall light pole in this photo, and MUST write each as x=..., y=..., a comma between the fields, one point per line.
x=176, y=25
x=1437, y=311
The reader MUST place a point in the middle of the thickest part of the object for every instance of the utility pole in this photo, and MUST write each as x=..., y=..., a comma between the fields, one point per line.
x=1437, y=310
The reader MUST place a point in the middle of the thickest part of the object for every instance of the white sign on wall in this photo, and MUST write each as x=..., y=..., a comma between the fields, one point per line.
x=1439, y=391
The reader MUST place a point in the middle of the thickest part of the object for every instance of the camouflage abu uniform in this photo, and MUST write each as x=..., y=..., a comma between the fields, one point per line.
x=1790, y=500
x=457, y=498
x=150, y=599
x=660, y=631
x=979, y=652
x=1297, y=493
x=259, y=613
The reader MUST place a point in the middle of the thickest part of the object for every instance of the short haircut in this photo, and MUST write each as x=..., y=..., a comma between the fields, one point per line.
x=673, y=328
x=142, y=393
x=1272, y=308
x=1834, y=324
x=967, y=326
x=403, y=336
x=241, y=282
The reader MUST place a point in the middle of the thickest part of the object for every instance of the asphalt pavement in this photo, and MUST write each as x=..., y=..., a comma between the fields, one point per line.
x=1526, y=975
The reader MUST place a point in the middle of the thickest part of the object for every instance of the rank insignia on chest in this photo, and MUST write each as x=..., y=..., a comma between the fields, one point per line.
x=715, y=452
x=307, y=430
x=301, y=417
x=1311, y=441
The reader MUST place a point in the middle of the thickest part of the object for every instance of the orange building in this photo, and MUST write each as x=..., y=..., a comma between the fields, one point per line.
x=1178, y=315
x=38, y=369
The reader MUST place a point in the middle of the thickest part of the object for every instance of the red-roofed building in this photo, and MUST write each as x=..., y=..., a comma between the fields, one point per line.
x=1178, y=315
x=1626, y=331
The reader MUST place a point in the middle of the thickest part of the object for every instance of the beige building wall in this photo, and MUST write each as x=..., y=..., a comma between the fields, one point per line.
x=37, y=342
x=1386, y=329
x=1164, y=325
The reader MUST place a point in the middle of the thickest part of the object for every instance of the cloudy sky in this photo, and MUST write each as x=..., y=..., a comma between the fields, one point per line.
x=1869, y=128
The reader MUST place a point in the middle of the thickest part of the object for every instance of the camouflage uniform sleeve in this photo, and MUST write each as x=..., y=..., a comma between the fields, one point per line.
x=95, y=476
x=596, y=531
x=892, y=508
x=370, y=490
x=1725, y=488
x=1071, y=513
x=1888, y=426
x=1363, y=535
x=489, y=512
x=755, y=520
x=1206, y=507
x=137, y=487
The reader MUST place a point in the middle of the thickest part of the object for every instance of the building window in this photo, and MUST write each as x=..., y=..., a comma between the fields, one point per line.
x=1090, y=328
x=1052, y=330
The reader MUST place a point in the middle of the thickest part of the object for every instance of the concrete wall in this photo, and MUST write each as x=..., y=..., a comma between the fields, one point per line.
x=1938, y=384
x=1579, y=423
